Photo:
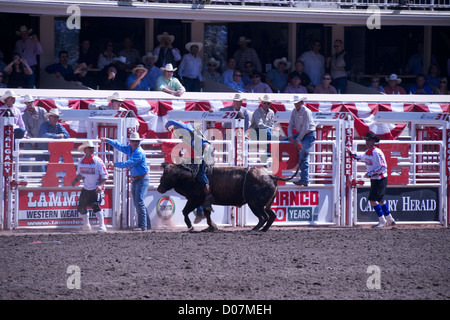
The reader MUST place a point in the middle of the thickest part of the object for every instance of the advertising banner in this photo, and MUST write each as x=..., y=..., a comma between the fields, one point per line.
x=57, y=208
x=299, y=206
x=405, y=204
x=166, y=210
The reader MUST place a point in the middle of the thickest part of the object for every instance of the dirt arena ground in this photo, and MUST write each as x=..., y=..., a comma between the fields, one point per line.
x=282, y=264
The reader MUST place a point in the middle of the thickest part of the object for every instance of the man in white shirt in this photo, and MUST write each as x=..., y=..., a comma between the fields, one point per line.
x=303, y=122
x=190, y=69
x=314, y=63
x=94, y=174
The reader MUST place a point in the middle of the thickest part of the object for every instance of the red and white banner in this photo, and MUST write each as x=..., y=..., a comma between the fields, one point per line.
x=153, y=114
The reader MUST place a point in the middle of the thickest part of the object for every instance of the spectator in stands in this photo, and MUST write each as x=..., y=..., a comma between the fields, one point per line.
x=29, y=47
x=33, y=118
x=190, y=70
x=295, y=86
x=111, y=80
x=211, y=72
x=81, y=77
x=9, y=99
x=263, y=120
x=325, y=86
x=314, y=63
x=2, y=63
x=107, y=56
x=18, y=72
x=305, y=79
x=2, y=77
x=247, y=75
x=137, y=80
x=168, y=83
x=257, y=86
x=393, y=85
x=277, y=78
x=443, y=86
x=432, y=78
x=62, y=68
x=236, y=83
x=375, y=84
x=227, y=75
x=115, y=101
x=340, y=64
x=153, y=72
x=86, y=54
x=420, y=87
x=165, y=51
x=131, y=54
x=244, y=54
x=52, y=128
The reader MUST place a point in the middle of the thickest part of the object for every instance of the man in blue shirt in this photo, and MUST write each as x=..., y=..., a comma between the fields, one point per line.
x=420, y=87
x=137, y=79
x=139, y=173
x=236, y=84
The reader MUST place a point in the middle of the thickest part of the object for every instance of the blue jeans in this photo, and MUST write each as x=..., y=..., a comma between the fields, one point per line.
x=303, y=154
x=139, y=191
x=191, y=85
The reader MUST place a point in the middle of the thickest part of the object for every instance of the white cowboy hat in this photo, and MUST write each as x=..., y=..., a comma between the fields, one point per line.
x=299, y=99
x=121, y=59
x=277, y=61
x=52, y=112
x=190, y=44
x=28, y=98
x=8, y=94
x=212, y=60
x=115, y=96
x=238, y=97
x=393, y=77
x=168, y=67
x=138, y=67
x=87, y=144
x=243, y=39
x=135, y=136
x=23, y=29
x=165, y=35
x=149, y=55
x=265, y=98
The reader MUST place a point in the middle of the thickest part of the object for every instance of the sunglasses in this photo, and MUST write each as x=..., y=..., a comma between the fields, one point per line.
x=269, y=103
x=211, y=65
x=326, y=78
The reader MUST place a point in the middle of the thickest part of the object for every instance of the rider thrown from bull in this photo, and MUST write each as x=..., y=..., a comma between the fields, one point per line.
x=202, y=154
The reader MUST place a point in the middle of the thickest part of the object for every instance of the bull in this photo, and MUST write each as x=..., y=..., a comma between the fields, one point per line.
x=230, y=186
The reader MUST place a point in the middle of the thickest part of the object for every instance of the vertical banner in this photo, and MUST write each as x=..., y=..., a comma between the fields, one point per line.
x=8, y=143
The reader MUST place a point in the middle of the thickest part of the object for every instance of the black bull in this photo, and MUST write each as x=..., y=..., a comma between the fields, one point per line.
x=230, y=186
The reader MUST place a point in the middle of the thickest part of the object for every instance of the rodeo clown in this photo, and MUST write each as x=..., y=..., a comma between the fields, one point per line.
x=94, y=174
x=202, y=154
x=377, y=172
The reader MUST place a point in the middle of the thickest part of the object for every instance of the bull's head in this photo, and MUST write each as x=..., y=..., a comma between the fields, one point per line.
x=172, y=174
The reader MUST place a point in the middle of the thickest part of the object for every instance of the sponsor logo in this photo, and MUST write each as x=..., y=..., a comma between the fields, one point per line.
x=165, y=208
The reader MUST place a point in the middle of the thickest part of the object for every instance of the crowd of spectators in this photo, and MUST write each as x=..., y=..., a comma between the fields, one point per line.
x=126, y=69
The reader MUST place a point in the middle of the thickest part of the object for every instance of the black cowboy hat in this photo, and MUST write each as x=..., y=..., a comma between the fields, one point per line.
x=372, y=136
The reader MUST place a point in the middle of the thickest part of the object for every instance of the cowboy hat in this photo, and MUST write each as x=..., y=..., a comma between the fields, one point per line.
x=87, y=144
x=28, y=98
x=149, y=55
x=115, y=96
x=135, y=137
x=168, y=67
x=165, y=35
x=265, y=98
x=120, y=59
x=8, y=94
x=371, y=136
x=243, y=39
x=299, y=99
x=238, y=97
x=52, y=112
x=277, y=61
x=23, y=29
x=190, y=44
x=212, y=60
x=393, y=77
x=138, y=67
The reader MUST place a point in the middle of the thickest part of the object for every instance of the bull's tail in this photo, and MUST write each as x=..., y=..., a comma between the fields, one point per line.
x=276, y=178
